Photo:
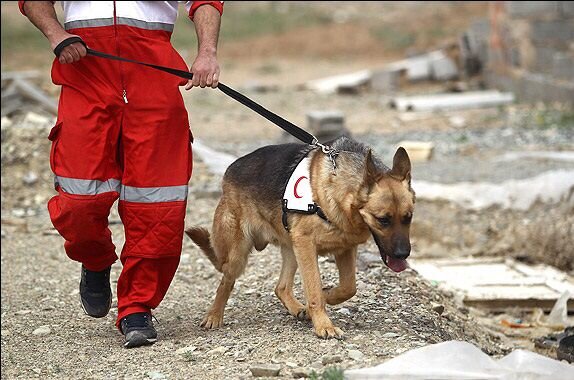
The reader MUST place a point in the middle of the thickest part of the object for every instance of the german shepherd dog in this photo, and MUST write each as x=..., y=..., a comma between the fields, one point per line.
x=360, y=197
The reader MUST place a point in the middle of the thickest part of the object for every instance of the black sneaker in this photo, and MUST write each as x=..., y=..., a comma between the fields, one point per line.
x=138, y=330
x=95, y=292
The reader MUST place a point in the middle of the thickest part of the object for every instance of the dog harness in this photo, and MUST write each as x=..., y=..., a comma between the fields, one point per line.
x=298, y=195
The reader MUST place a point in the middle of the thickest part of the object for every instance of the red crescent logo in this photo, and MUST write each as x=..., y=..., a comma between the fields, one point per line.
x=295, y=187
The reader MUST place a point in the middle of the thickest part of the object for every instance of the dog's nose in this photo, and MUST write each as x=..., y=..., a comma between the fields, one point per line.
x=402, y=253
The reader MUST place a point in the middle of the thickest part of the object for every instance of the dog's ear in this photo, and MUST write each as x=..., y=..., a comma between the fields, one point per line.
x=401, y=165
x=371, y=173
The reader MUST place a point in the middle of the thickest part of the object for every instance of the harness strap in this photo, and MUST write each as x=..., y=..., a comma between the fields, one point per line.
x=313, y=209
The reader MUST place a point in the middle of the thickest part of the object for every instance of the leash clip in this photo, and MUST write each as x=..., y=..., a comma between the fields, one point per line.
x=326, y=149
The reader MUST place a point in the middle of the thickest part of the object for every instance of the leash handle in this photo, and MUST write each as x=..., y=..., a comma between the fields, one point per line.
x=287, y=126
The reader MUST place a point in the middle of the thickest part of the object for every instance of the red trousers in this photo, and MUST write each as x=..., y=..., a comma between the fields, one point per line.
x=122, y=132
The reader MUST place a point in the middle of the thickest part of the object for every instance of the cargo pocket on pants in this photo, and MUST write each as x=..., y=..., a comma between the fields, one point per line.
x=54, y=137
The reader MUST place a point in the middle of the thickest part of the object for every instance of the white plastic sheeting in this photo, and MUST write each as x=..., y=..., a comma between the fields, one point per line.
x=456, y=360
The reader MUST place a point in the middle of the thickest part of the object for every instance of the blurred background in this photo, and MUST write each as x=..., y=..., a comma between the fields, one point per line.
x=481, y=94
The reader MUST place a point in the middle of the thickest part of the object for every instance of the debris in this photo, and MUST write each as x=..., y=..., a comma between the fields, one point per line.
x=330, y=359
x=387, y=81
x=445, y=102
x=17, y=91
x=155, y=375
x=516, y=324
x=495, y=283
x=326, y=125
x=559, y=314
x=185, y=350
x=549, y=187
x=217, y=162
x=265, y=370
x=30, y=178
x=218, y=350
x=436, y=361
x=418, y=150
x=390, y=335
x=341, y=83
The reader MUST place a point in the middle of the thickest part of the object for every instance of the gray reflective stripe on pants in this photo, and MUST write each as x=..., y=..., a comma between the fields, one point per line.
x=153, y=194
x=87, y=186
x=120, y=21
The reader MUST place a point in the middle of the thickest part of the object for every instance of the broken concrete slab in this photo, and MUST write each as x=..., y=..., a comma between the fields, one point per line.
x=343, y=82
x=327, y=125
x=445, y=102
x=418, y=151
x=497, y=283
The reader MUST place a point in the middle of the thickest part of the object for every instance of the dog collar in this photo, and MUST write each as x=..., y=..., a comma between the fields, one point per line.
x=298, y=195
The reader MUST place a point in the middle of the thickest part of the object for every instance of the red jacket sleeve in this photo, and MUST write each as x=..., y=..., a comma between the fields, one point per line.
x=196, y=4
x=21, y=6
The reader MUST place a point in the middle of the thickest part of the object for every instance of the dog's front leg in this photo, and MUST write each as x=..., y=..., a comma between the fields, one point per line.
x=346, y=263
x=306, y=254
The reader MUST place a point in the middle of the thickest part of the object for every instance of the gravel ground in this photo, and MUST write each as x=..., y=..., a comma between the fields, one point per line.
x=46, y=335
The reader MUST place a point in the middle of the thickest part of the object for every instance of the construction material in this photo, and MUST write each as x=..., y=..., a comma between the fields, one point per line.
x=462, y=360
x=18, y=94
x=340, y=83
x=326, y=125
x=419, y=151
x=496, y=284
x=447, y=102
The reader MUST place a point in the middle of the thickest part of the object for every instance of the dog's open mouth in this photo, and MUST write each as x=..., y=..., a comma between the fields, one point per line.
x=395, y=264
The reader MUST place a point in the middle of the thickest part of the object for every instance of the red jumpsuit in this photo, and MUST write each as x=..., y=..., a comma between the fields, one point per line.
x=122, y=132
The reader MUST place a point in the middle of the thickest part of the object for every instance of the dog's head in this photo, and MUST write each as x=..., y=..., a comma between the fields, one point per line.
x=388, y=208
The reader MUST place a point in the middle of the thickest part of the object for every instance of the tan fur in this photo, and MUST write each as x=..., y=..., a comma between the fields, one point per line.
x=352, y=202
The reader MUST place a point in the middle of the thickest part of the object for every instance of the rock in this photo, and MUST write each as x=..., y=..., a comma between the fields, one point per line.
x=19, y=212
x=23, y=312
x=218, y=350
x=185, y=350
x=356, y=355
x=30, y=178
x=265, y=370
x=390, y=335
x=291, y=364
x=42, y=331
x=330, y=359
x=302, y=372
x=155, y=375
x=437, y=307
x=344, y=311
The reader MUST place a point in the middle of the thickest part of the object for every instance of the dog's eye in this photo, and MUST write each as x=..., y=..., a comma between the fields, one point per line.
x=407, y=218
x=385, y=221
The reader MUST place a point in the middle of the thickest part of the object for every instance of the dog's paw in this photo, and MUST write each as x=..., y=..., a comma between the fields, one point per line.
x=212, y=321
x=329, y=332
x=302, y=315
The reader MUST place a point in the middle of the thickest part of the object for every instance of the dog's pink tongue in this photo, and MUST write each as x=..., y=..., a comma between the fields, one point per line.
x=396, y=265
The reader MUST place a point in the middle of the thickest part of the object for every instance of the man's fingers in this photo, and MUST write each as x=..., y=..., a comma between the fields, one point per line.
x=203, y=80
x=215, y=81
x=74, y=53
x=81, y=49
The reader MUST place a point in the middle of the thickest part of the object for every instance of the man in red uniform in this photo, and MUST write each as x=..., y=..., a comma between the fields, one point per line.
x=122, y=132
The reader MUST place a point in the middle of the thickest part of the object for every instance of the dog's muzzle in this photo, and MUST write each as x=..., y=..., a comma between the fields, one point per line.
x=395, y=263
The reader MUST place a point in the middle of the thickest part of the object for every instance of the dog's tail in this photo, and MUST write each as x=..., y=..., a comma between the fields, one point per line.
x=201, y=237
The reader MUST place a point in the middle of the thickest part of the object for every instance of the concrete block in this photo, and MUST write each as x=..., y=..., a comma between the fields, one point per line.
x=552, y=33
x=326, y=125
x=443, y=68
x=532, y=9
x=563, y=66
x=567, y=9
x=386, y=81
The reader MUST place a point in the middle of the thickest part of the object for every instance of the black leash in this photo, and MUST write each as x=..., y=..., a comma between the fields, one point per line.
x=287, y=126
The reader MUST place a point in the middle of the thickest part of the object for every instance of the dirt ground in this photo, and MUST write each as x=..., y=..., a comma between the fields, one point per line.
x=46, y=335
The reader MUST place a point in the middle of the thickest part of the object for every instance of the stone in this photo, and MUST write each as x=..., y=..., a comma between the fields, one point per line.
x=330, y=359
x=356, y=355
x=302, y=372
x=155, y=375
x=185, y=350
x=42, y=331
x=218, y=350
x=439, y=308
x=265, y=370
x=30, y=178
x=390, y=335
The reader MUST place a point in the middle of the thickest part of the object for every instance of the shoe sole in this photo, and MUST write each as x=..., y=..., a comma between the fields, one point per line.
x=140, y=342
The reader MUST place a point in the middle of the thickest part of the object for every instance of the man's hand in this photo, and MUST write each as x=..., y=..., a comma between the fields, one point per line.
x=205, y=70
x=71, y=53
